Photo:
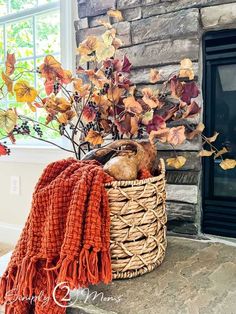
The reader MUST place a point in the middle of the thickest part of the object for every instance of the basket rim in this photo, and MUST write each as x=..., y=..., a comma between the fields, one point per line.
x=139, y=182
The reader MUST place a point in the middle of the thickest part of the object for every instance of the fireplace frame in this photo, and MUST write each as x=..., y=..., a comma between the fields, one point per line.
x=219, y=213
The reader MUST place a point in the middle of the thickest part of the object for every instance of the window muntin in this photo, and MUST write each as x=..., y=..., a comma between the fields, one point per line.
x=30, y=29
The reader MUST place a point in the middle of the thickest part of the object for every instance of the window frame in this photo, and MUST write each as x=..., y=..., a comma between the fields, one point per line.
x=43, y=153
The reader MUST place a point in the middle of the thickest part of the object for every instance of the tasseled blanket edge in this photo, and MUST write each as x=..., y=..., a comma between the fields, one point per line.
x=90, y=267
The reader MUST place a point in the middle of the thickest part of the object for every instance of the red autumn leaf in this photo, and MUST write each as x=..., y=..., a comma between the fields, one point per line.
x=49, y=86
x=12, y=138
x=124, y=123
x=3, y=150
x=176, y=87
x=51, y=68
x=115, y=64
x=193, y=110
x=10, y=63
x=167, y=110
x=49, y=118
x=89, y=113
x=156, y=123
x=126, y=66
x=190, y=90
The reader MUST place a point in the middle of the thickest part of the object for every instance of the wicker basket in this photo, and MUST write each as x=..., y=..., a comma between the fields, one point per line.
x=138, y=231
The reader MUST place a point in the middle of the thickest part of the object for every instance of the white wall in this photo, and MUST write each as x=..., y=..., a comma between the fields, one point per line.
x=28, y=164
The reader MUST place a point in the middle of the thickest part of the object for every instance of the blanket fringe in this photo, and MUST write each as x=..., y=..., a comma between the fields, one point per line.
x=86, y=270
x=106, y=274
x=3, y=288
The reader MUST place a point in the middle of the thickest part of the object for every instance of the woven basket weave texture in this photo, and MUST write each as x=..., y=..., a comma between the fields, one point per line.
x=138, y=225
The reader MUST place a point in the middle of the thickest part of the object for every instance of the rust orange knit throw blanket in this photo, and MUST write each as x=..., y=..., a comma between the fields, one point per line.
x=66, y=239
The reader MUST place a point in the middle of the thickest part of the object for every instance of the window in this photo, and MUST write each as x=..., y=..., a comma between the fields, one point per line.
x=30, y=29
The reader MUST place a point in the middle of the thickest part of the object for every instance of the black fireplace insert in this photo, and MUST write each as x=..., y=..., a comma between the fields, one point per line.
x=219, y=93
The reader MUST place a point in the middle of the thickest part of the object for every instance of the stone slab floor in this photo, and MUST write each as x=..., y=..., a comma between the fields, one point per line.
x=195, y=277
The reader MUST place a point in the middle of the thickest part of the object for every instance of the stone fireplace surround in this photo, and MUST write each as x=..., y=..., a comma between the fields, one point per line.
x=158, y=34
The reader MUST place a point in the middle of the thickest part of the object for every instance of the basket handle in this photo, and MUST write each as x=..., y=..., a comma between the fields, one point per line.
x=162, y=166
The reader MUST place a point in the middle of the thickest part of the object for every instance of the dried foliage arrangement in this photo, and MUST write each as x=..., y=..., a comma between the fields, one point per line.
x=100, y=102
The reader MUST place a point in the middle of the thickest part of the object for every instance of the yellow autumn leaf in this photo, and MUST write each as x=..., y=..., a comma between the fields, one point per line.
x=94, y=137
x=221, y=152
x=186, y=69
x=108, y=36
x=228, y=164
x=62, y=118
x=32, y=107
x=8, y=119
x=116, y=14
x=147, y=117
x=24, y=92
x=103, y=51
x=8, y=81
x=177, y=162
x=212, y=138
x=206, y=153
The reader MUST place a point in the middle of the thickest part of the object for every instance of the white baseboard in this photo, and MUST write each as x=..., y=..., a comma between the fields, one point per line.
x=9, y=233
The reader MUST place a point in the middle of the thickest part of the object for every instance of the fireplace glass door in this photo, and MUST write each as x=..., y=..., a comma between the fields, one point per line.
x=219, y=86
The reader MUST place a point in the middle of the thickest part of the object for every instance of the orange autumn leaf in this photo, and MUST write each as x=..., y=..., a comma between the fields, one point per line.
x=115, y=14
x=132, y=105
x=8, y=81
x=10, y=64
x=149, y=98
x=51, y=68
x=176, y=135
x=134, y=125
x=114, y=94
x=154, y=76
x=59, y=104
x=105, y=24
x=206, y=153
x=221, y=152
x=199, y=129
x=161, y=135
x=80, y=87
x=32, y=107
x=117, y=43
x=89, y=114
x=94, y=137
x=227, y=164
x=25, y=92
x=212, y=138
x=67, y=77
x=88, y=45
x=177, y=162
x=98, y=78
x=66, y=116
